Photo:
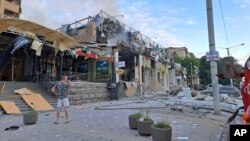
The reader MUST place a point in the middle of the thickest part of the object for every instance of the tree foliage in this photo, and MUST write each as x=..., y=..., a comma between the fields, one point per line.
x=205, y=73
x=203, y=68
x=188, y=62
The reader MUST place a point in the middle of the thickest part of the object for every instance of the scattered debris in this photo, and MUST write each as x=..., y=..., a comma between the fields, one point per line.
x=175, y=90
x=10, y=107
x=92, y=131
x=177, y=108
x=182, y=138
x=200, y=97
x=195, y=93
x=11, y=128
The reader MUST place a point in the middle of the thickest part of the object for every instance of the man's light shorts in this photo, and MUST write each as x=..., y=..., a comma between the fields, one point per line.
x=62, y=103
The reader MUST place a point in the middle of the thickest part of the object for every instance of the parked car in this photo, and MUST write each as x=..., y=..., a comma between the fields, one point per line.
x=231, y=91
x=199, y=87
x=209, y=86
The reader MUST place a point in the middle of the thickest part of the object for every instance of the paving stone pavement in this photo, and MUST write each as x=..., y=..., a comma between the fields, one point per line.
x=89, y=124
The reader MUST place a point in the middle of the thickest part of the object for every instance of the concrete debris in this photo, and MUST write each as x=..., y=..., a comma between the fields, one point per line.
x=182, y=138
x=177, y=108
x=223, y=97
x=92, y=131
x=195, y=93
x=200, y=97
x=175, y=90
x=180, y=94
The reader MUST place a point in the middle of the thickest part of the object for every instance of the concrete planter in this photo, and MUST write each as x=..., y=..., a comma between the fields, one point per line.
x=144, y=127
x=30, y=118
x=132, y=122
x=161, y=134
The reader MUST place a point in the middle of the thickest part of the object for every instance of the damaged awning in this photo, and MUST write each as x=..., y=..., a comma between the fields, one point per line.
x=30, y=29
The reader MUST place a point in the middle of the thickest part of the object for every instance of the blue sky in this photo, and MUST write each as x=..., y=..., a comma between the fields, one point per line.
x=169, y=22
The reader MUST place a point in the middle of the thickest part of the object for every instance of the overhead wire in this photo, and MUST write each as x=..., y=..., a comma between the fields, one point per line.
x=224, y=24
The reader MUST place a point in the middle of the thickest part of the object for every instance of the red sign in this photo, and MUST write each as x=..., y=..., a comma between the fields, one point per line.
x=245, y=90
x=79, y=53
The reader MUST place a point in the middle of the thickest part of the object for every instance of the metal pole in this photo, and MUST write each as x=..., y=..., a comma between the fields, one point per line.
x=227, y=51
x=231, y=80
x=213, y=64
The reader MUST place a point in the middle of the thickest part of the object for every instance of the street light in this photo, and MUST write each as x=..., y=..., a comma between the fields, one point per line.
x=227, y=48
x=228, y=54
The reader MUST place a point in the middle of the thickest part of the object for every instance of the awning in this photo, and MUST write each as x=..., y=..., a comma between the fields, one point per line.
x=60, y=40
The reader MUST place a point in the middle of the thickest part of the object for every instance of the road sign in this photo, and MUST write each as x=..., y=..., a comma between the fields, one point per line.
x=212, y=56
x=120, y=64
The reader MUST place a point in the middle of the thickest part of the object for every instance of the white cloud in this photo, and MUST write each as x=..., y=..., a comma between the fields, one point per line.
x=190, y=22
x=243, y=3
x=137, y=14
x=57, y=12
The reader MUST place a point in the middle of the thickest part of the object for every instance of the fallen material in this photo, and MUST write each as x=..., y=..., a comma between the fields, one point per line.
x=37, y=102
x=24, y=91
x=11, y=128
x=34, y=100
x=10, y=107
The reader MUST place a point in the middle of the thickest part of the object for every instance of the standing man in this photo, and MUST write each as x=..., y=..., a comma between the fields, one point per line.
x=61, y=90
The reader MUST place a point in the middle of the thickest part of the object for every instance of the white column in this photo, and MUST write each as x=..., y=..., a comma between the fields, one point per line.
x=136, y=68
x=140, y=72
x=116, y=55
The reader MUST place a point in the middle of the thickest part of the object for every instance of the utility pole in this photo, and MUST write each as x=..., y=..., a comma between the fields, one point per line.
x=228, y=54
x=213, y=63
x=231, y=80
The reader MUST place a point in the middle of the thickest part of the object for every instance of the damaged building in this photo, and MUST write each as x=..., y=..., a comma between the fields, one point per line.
x=99, y=50
x=123, y=55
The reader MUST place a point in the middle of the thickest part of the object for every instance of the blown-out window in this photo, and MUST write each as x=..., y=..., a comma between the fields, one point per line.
x=102, y=68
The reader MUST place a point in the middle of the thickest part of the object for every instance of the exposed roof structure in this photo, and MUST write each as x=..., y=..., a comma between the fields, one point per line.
x=60, y=40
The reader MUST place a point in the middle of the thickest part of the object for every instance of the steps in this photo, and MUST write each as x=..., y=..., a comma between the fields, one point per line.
x=84, y=92
x=9, y=95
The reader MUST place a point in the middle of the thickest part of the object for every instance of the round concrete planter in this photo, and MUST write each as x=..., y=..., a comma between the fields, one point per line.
x=132, y=122
x=30, y=118
x=144, y=127
x=161, y=134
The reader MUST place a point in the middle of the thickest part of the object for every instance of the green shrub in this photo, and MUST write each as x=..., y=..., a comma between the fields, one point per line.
x=147, y=119
x=162, y=125
x=32, y=111
x=137, y=115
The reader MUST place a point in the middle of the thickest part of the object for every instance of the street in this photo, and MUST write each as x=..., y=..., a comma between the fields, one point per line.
x=93, y=124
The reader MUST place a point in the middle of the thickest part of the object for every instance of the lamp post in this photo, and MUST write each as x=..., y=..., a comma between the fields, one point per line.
x=227, y=48
x=228, y=54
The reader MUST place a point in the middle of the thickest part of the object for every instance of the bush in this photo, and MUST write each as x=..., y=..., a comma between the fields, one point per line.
x=162, y=125
x=137, y=115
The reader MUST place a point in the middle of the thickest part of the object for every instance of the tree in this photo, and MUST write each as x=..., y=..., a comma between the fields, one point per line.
x=177, y=59
x=205, y=73
x=188, y=62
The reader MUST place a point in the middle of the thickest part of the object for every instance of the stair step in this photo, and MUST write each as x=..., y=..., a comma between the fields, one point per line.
x=9, y=95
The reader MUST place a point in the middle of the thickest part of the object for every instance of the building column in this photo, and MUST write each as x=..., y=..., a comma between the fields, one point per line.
x=140, y=72
x=136, y=68
x=116, y=60
x=61, y=64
